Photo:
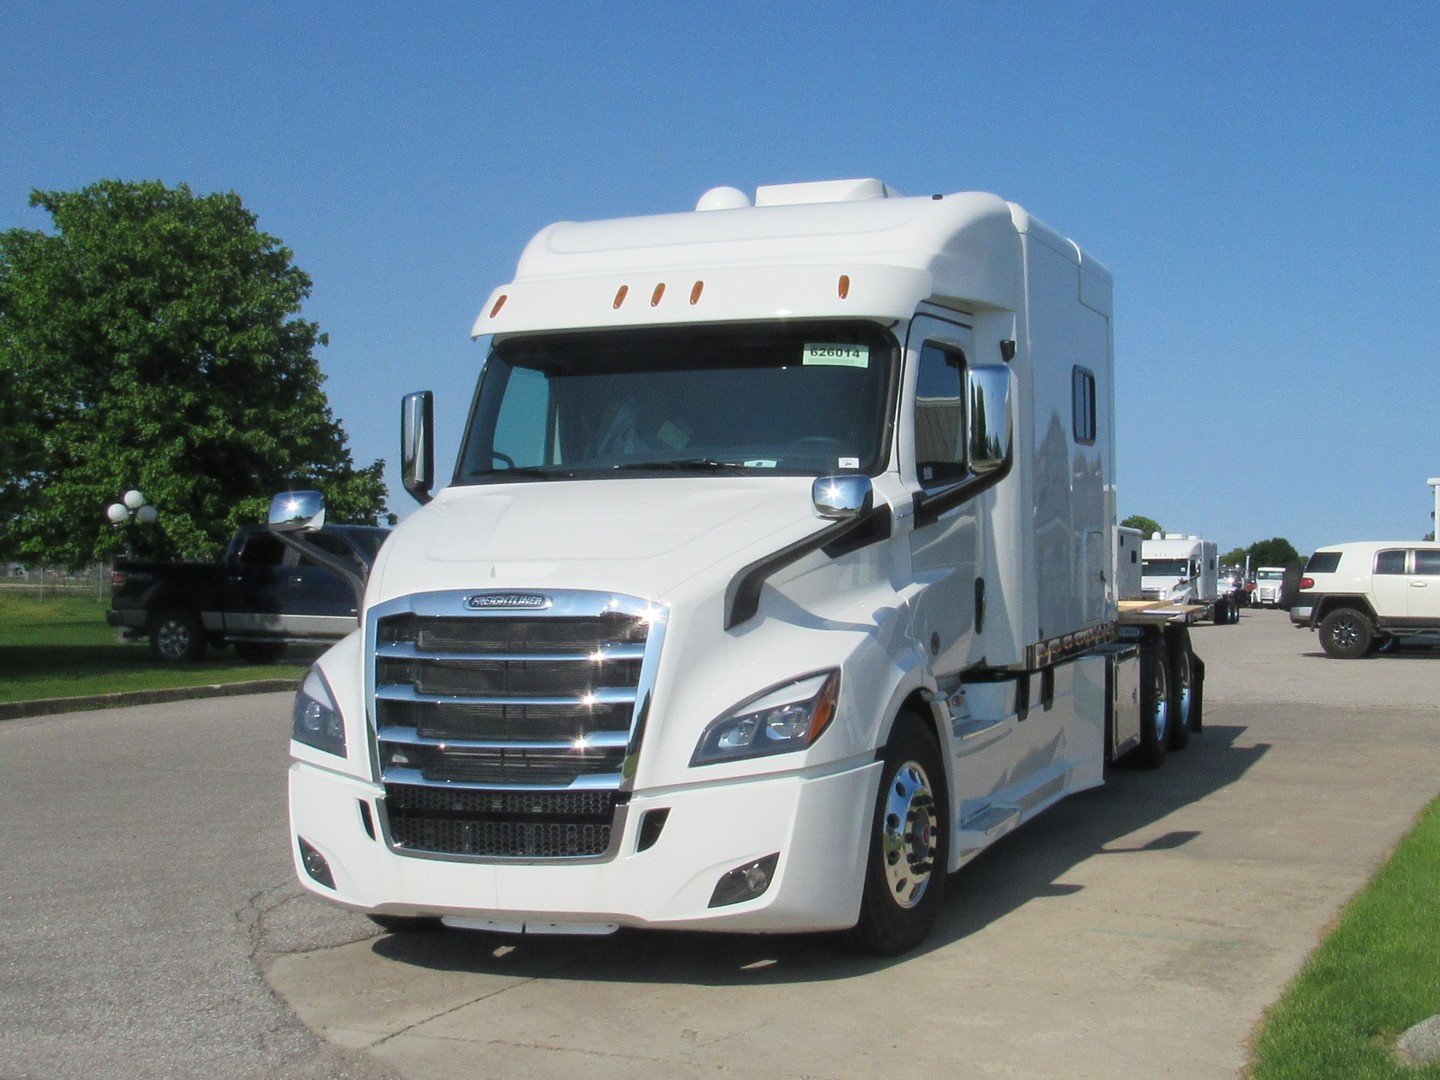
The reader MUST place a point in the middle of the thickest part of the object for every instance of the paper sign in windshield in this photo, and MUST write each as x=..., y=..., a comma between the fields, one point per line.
x=820, y=355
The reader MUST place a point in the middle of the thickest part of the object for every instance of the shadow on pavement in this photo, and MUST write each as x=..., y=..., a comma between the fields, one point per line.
x=1028, y=864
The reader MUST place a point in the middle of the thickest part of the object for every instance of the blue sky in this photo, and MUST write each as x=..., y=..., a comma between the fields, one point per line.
x=1262, y=179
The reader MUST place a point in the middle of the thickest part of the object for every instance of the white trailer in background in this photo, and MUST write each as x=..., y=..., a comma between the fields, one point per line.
x=774, y=581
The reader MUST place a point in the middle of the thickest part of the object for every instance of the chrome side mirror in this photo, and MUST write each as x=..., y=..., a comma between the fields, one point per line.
x=297, y=511
x=841, y=497
x=417, y=444
x=987, y=417
x=293, y=514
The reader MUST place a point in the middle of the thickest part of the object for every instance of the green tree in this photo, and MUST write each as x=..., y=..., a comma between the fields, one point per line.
x=1233, y=557
x=1277, y=551
x=1148, y=526
x=152, y=341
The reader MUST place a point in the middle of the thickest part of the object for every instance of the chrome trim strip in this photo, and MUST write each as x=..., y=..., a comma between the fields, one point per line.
x=600, y=740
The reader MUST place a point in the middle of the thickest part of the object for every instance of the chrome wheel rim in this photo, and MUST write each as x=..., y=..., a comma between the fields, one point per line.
x=909, y=835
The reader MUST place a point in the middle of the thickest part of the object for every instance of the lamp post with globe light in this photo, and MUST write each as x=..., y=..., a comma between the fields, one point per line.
x=125, y=514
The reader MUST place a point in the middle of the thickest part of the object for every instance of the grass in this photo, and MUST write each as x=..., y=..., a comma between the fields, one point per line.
x=1376, y=975
x=62, y=647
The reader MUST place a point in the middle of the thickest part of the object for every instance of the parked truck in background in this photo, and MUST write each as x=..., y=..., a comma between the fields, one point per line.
x=259, y=597
x=775, y=581
x=1269, y=586
x=1184, y=570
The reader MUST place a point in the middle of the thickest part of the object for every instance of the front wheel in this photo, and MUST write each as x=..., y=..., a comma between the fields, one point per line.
x=909, y=845
x=1345, y=634
x=177, y=637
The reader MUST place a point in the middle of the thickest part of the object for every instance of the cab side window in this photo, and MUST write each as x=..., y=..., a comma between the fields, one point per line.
x=940, y=416
x=1427, y=562
x=262, y=549
x=1390, y=562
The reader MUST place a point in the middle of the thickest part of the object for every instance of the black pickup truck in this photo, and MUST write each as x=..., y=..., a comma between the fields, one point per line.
x=259, y=597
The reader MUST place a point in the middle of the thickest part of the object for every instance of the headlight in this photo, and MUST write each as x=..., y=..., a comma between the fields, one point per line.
x=317, y=721
x=782, y=719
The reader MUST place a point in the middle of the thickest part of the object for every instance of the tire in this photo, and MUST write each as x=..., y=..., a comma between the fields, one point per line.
x=177, y=637
x=909, y=845
x=1184, y=693
x=1345, y=634
x=1155, y=704
x=260, y=652
x=1220, y=613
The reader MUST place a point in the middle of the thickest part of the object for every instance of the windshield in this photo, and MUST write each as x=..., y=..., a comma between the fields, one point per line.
x=793, y=398
x=1269, y=575
x=1172, y=568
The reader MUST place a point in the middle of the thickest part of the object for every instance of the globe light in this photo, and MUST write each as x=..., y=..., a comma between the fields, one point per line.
x=134, y=499
x=117, y=513
x=147, y=514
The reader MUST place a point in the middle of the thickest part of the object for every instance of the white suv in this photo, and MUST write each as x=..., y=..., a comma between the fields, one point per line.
x=1362, y=595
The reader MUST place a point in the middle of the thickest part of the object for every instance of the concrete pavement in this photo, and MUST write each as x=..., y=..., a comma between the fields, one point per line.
x=1139, y=930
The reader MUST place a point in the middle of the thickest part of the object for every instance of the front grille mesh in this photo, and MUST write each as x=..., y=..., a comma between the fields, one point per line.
x=533, y=825
x=470, y=708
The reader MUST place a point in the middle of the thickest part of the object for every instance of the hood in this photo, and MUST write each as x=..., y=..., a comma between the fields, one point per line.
x=642, y=537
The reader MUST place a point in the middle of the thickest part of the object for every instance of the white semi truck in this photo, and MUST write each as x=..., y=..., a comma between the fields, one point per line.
x=774, y=581
x=1184, y=570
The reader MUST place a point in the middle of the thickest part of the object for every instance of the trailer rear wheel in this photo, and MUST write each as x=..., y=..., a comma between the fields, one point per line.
x=1184, y=694
x=1155, y=702
x=909, y=845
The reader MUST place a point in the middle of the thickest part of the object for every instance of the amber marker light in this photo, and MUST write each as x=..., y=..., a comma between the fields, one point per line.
x=657, y=294
x=695, y=291
x=499, y=304
x=620, y=295
x=824, y=707
x=844, y=286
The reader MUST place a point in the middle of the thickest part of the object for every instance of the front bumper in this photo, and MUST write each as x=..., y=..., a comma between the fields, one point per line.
x=819, y=825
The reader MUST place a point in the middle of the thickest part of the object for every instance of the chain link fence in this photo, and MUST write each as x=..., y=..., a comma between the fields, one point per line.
x=40, y=582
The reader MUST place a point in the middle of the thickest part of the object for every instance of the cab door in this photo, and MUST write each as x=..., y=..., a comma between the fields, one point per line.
x=943, y=547
x=1423, y=595
x=1390, y=585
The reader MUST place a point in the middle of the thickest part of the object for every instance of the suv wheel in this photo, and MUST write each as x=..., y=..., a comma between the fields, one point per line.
x=1345, y=634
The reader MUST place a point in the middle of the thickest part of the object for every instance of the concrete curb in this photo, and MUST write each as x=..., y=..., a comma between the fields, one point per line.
x=15, y=710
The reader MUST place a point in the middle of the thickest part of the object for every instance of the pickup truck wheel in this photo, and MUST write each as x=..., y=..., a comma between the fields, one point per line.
x=1345, y=634
x=260, y=652
x=177, y=637
x=1155, y=702
x=909, y=845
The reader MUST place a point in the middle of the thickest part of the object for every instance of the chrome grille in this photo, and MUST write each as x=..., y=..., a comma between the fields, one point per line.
x=475, y=707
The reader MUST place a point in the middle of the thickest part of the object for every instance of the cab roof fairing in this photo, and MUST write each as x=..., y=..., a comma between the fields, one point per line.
x=767, y=262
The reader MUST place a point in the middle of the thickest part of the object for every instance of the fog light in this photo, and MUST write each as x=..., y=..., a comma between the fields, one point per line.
x=745, y=882
x=315, y=864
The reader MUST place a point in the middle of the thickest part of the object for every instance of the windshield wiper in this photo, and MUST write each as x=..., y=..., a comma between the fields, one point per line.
x=528, y=472
x=701, y=464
